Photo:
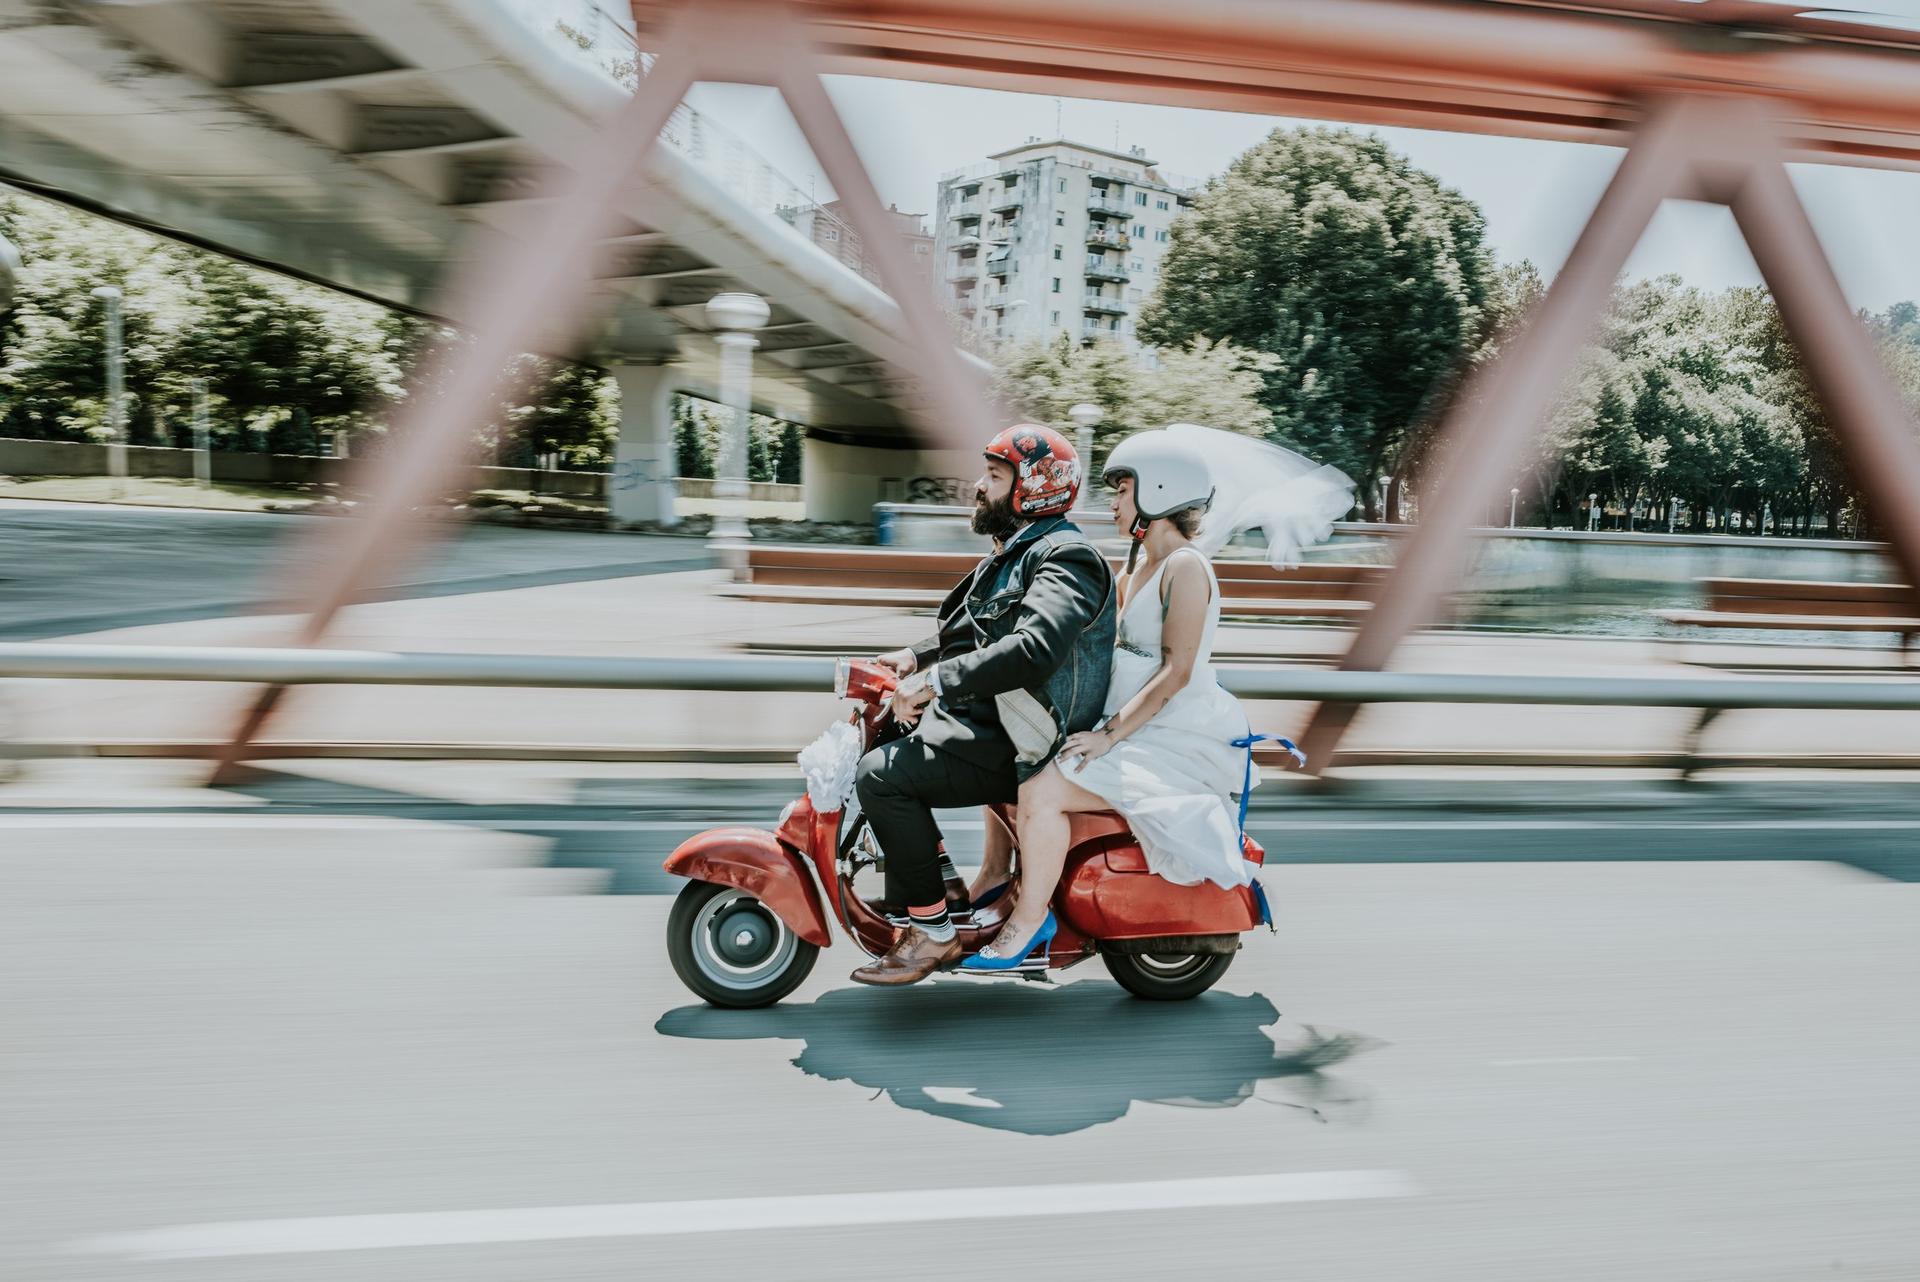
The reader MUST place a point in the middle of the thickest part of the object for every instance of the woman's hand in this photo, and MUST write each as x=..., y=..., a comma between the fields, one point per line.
x=1088, y=745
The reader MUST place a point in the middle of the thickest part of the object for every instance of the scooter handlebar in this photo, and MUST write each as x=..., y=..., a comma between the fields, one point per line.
x=865, y=680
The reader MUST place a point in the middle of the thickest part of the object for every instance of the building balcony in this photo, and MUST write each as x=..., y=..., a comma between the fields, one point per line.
x=1011, y=200
x=1101, y=268
x=965, y=275
x=1109, y=205
x=1001, y=266
x=965, y=210
x=966, y=243
x=1097, y=329
x=1108, y=304
x=1101, y=238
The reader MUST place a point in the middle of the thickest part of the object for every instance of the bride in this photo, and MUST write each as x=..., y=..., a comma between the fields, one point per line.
x=1163, y=757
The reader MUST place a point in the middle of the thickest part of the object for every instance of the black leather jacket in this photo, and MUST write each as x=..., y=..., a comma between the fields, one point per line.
x=1025, y=649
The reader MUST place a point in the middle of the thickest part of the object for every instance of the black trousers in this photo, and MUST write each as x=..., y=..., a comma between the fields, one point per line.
x=900, y=784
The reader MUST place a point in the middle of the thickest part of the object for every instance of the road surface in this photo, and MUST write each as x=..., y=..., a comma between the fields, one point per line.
x=361, y=1028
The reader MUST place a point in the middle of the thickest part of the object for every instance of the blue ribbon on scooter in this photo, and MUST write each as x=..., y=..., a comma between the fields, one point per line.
x=1246, y=778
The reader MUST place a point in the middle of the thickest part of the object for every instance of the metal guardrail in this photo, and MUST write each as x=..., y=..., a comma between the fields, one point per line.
x=374, y=667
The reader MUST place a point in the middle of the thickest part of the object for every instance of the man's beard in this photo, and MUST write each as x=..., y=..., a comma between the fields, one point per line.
x=995, y=520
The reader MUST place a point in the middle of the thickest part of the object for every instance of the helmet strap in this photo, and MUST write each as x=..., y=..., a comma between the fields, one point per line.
x=1139, y=534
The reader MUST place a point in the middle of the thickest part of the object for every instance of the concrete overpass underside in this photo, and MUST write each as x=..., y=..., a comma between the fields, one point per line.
x=369, y=145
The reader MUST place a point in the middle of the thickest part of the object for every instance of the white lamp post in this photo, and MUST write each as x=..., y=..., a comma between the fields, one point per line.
x=1084, y=416
x=1593, y=512
x=1513, y=505
x=116, y=391
x=733, y=318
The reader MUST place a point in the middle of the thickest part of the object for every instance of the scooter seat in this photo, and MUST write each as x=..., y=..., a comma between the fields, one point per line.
x=1094, y=824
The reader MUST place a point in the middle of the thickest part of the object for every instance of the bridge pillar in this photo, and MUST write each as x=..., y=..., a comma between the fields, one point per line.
x=642, y=487
x=846, y=475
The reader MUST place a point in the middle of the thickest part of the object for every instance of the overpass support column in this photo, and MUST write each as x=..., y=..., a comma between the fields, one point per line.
x=641, y=487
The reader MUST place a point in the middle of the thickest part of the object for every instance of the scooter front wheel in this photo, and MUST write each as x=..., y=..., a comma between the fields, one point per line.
x=1167, y=977
x=731, y=949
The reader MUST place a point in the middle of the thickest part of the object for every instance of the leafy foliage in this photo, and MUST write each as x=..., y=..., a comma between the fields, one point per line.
x=1359, y=275
x=288, y=365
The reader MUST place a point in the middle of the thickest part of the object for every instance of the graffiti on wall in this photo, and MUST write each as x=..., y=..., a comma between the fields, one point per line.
x=938, y=491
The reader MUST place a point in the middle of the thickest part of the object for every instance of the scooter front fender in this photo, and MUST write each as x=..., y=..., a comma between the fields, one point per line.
x=755, y=861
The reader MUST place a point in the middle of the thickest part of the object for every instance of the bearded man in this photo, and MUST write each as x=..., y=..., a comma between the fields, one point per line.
x=1020, y=661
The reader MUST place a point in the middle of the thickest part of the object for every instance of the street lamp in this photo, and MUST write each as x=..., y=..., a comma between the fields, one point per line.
x=1593, y=512
x=1084, y=416
x=116, y=391
x=1513, y=505
x=733, y=317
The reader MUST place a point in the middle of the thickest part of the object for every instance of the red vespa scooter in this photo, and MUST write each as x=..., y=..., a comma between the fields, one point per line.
x=746, y=929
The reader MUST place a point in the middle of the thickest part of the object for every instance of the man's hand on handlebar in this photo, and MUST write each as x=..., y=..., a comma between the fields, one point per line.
x=910, y=700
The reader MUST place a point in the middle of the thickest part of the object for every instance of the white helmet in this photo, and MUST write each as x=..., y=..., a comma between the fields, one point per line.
x=1168, y=474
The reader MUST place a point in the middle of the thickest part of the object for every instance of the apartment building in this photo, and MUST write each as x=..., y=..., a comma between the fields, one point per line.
x=829, y=227
x=1055, y=238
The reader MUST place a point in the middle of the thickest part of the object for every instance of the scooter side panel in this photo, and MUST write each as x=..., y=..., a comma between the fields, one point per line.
x=1111, y=895
x=756, y=862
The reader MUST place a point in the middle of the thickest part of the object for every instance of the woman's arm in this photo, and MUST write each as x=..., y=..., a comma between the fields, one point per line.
x=1184, y=589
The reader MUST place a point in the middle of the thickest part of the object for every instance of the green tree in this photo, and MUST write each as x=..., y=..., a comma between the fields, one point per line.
x=1215, y=384
x=693, y=453
x=789, y=453
x=1361, y=275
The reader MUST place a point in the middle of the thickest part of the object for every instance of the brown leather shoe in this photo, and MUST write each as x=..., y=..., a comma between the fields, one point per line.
x=910, y=960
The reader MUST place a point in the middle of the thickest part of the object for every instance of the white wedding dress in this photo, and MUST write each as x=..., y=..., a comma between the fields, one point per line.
x=1175, y=779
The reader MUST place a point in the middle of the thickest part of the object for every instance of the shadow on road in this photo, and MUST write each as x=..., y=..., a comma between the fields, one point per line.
x=1049, y=1061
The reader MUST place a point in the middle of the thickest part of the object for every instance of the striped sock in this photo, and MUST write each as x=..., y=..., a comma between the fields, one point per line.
x=937, y=924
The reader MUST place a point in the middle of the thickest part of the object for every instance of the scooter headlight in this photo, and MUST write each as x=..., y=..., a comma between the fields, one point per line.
x=842, y=673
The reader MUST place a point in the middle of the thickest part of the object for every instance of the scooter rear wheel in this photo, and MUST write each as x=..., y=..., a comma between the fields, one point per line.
x=1167, y=977
x=732, y=950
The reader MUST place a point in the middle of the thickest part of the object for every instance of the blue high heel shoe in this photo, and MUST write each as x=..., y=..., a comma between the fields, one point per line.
x=990, y=959
x=991, y=895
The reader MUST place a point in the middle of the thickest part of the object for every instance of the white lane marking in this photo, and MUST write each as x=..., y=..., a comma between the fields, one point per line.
x=260, y=819
x=1564, y=1059
x=732, y=1215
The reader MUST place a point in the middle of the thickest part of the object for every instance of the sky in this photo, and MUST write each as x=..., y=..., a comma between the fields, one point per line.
x=1535, y=194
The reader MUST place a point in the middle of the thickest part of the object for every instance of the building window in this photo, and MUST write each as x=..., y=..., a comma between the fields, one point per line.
x=830, y=233
x=1139, y=266
x=1140, y=199
x=1140, y=229
x=1056, y=253
x=1059, y=220
x=1053, y=318
x=1056, y=284
x=1161, y=235
x=1063, y=184
x=1159, y=204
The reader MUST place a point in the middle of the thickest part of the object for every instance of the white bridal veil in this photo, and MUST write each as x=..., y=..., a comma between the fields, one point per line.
x=1290, y=498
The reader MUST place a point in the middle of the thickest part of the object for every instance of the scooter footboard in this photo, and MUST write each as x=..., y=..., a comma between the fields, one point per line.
x=755, y=861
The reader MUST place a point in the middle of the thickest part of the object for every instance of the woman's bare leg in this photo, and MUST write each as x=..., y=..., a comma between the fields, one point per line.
x=1045, y=802
x=996, y=860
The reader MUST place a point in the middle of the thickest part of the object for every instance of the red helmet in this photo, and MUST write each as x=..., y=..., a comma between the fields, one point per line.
x=1046, y=468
